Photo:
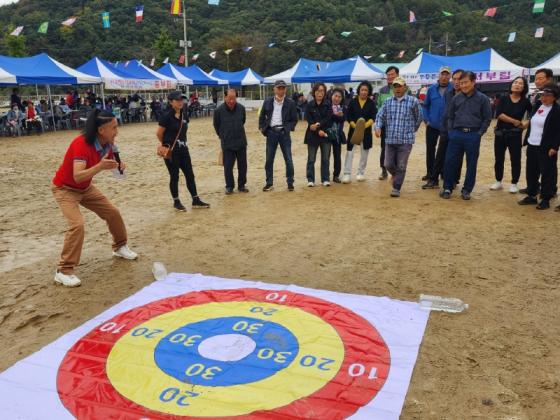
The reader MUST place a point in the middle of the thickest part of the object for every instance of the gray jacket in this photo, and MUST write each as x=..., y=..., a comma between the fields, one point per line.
x=230, y=126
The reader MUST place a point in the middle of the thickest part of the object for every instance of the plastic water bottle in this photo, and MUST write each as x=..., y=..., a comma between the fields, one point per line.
x=438, y=303
x=117, y=173
x=159, y=271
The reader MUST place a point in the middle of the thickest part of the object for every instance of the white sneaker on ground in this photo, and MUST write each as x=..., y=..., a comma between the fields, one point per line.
x=360, y=178
x=513, y=189
x=125, y=252
x=346, y=179
x=326, y=184
x=310, y=184
x=496, y=186
x=69, y=280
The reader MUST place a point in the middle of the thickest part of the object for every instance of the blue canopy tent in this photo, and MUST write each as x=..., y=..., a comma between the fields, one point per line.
x=191, y=76
x=41, y=70
x=304, y=71
x=245, y=77
x=354, y=69
x=141, y=72
x=116, y=78
x=490, y=67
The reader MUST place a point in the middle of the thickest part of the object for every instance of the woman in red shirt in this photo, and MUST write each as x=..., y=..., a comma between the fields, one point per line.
x=32, y=119
x=89, y=154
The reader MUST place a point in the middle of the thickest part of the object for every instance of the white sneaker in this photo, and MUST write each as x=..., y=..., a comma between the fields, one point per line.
x=69, y=280
x=346, y=179
x=513, y=189
x=326, y=184
x=360, y=178
x=496, y=186
x=125, y=252
x=310, y=184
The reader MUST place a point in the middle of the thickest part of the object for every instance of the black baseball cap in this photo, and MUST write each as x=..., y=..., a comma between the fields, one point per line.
x=280, y=83
x=552, y=89
x=176, y=96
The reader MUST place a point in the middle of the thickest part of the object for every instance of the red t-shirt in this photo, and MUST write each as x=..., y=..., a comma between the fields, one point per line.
x=78, y=150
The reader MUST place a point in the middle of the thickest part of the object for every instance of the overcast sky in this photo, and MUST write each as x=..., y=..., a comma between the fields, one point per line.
x=3, y=2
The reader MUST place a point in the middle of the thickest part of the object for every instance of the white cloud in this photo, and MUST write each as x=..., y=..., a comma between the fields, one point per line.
x=4, y=2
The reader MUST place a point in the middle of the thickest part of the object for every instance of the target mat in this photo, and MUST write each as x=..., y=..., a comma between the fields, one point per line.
x=199, y=347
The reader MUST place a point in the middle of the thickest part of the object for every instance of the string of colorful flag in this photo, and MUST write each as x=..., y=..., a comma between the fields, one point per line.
x=177, y=9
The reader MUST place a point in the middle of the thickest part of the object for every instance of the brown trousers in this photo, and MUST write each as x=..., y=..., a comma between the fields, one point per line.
x=69, y=201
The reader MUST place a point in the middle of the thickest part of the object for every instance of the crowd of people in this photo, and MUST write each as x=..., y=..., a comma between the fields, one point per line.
x=455, y=112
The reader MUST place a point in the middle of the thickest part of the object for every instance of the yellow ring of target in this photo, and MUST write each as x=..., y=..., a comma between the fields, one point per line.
x=133, y=373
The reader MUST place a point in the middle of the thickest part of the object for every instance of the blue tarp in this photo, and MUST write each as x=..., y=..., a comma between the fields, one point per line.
x=192, y=75
x=245, y=77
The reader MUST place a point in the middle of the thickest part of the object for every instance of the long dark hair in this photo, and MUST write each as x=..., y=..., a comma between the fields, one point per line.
x=96, y=119
x=316, y=87
x=525, y=86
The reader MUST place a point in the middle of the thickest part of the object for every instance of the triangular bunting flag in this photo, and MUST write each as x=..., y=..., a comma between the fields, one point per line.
x=379, y=28
x=511, y=36
x=228, y=52
x=484, y=39
x=491, y=12
x=213, y=54
x=291, y=41
x=539, y=6
x=139, y=13
x=367, y=57
x=272, y=44
x=17, y=31
x=166, y=60
x=345, y=34
x=401, y=54
x=383, y=55
x=176, y=7
x=106, y=20
x=247, y=49
x=419, y=51
x=69, y=21
x=214, y=2
x=411, y=17
x=320, y=39
x=539, y=32
x=447, y=13
x=43, y=28
x=195, y=57
x=153, y=62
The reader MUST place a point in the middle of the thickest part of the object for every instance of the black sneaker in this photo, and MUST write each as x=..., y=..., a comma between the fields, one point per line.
x=430, y=185
x=268, y=187
x=290, y=187
x=465, y=195
x=543, y=205
x=179, y=206
x=243, y=189
x=445, y=194
x=528, y=201
x=229, y=191
x=197, y=203
x=523, y=191
x=383, y=175
x=336, y=180
x=425, y=177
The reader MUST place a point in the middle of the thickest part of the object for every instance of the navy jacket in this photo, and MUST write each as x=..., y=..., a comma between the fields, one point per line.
x=321, y=114
x=434, y=105
x=230, y=126
x=551, y=132
x=289, y=115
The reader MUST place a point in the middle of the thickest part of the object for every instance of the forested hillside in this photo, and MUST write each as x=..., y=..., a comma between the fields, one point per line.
x=236, y=24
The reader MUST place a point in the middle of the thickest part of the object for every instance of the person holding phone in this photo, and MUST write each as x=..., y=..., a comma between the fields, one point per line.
x=89, y=154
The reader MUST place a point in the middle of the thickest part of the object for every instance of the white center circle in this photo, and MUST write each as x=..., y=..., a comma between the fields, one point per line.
x=227, y=347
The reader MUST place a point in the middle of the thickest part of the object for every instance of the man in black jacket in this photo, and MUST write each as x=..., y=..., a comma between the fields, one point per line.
x=278, y=117
x=229, y=123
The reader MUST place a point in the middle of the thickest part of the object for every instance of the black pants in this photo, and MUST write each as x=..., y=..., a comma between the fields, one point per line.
x=181, y=159
x=337, y=158
x=382, y=155
x=325, y=160
x=508, y=140
x=432, y=135
x=230, y=157
x=539, y=164
x=439, y=161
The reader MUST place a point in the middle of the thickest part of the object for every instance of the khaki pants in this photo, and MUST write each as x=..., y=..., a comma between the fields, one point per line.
x=69, y=201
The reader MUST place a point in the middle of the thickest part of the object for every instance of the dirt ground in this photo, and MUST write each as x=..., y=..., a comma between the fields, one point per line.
x=499, y=360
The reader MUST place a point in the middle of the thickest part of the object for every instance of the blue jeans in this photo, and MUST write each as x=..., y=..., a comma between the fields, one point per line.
x=325, y=160
x=459, y=143
x=272, y=141
x=396, y=161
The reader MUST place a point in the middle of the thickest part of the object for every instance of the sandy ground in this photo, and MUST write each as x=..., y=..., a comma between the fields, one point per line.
x=499, y=360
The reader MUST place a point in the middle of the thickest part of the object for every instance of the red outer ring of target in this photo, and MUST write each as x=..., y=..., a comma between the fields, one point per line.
x=85, y=389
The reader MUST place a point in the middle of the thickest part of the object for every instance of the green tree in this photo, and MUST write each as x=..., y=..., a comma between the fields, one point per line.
x=15, y=45
x=165, y=47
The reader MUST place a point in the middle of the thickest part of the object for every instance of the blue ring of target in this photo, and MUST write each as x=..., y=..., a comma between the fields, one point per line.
x=174, y=358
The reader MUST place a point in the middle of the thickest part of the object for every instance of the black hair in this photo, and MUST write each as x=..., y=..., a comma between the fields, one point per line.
x=366, y=84
x=525, y=86
x=469, y=75
x=232, y=90
x=547, y=72
x=316, y=87
x=96, y=119
x=554, y=89
x=458, y=71
x=339, y=90
x=392, y=68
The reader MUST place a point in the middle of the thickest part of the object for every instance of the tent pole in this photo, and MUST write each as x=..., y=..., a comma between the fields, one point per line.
x=37, y=92
x=52, y=107
x=102, y=95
